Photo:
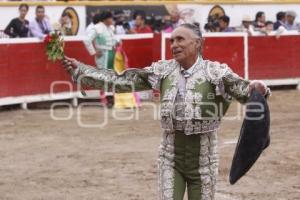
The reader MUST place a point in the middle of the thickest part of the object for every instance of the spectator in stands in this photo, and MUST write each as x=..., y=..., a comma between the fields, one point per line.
x=175, y=16
x=260, y=20
x=65, y=24
x=169, y=23
x=19, y=27
x=96, y=20
x=281, y=19
x=224, y=24
x=140, y=25
x=121, y=25
x=290, y=21
x=40, y=26
x=212, y=24
x=246, y=25
x=269, y=27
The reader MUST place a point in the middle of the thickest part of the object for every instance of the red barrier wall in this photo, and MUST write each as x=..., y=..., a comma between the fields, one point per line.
x=24, y=69
x=229, y=50
x=139, y=52
x=271, y=58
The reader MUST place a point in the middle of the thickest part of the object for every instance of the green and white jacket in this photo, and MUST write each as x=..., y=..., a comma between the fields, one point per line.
x=101, y=38
x=207, y=96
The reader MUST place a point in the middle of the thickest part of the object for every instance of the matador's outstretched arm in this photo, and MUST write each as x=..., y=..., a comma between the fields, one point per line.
x=130, y=80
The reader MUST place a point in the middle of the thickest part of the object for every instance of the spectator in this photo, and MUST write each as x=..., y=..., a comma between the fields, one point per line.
x=19, y=27
x=167, y=24
x=224, y=24
x=281, y=19
x=156, y=23
x=290, y=18
x=187, y=15
x=65, y=24
x=246, y=25
x=40, y=26
x=96, y=20
x=122, y=26
x=175, y=16
x=260, y=20
x=170, y=22
x=268, y=29
x=140, y=25
x=212, y=24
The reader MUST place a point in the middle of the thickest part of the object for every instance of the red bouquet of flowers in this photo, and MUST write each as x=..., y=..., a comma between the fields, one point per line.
x=54, y=46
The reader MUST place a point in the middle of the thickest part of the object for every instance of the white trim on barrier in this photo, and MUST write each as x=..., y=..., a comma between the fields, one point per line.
x=135, y=36
x=276, y=33
x=139, y=36
x=118, y=37
x=37, y=98
x=215, y=34
x=73, y=38
x=95, y=94
x=19, y=40
x=224, y=34
x=278, y=82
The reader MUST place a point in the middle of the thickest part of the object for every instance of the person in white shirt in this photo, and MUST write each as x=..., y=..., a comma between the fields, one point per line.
x=40, y=26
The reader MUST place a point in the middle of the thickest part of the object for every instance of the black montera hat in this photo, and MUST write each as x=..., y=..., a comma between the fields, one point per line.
x=254, y=136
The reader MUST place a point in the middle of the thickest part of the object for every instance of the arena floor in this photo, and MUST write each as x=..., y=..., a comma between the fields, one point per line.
x=42, y=158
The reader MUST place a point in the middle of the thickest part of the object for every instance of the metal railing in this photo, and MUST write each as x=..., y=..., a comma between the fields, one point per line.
x=3, y=35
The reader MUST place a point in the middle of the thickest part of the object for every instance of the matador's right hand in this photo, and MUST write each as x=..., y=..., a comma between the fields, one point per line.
x=69, y=64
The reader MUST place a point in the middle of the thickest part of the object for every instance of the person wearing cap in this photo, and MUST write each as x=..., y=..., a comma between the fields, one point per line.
x=246, y=25
x=195, y=94
x=290, y=21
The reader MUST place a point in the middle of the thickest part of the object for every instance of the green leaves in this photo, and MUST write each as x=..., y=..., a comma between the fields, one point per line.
x=54, y=46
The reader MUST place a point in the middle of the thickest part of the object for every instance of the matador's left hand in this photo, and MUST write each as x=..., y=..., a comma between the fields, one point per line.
x=260, y=86
x=68, y=64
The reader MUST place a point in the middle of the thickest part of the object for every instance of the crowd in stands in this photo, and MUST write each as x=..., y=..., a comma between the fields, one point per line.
x=38, y=27
x=285, y=21
x=141, y=23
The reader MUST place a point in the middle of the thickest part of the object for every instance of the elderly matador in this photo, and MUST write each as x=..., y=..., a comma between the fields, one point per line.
x=195, y=94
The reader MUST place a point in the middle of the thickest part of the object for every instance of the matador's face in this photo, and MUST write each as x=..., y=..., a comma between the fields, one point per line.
x=185, y=44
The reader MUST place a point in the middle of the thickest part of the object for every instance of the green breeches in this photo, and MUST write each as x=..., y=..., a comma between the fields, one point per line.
x=188, y=162
x=106, y=60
